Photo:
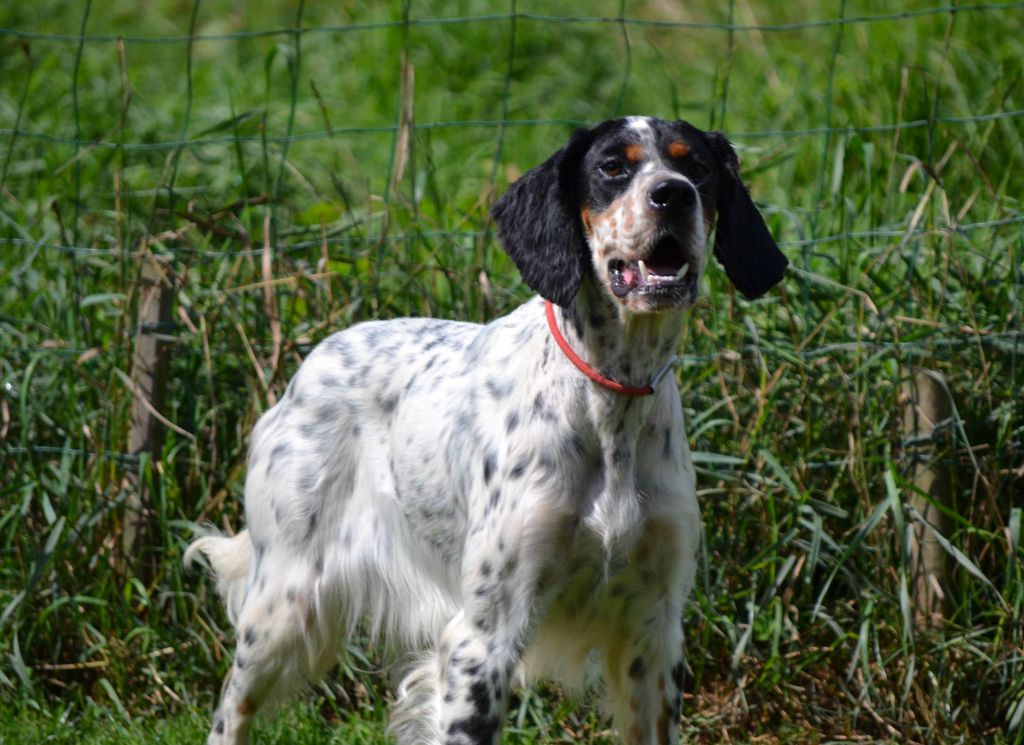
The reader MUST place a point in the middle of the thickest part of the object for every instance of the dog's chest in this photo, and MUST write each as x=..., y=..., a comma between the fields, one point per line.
x=590, y=592
x=480, y=466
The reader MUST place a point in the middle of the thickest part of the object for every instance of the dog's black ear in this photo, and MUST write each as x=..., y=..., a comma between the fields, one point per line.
x=540, y=224
x=743, y=245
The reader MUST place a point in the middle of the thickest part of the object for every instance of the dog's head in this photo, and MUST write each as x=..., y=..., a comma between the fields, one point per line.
x=633, y=201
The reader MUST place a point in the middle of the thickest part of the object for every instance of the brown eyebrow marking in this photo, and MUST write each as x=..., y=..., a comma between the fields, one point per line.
x=634, y=153
x=678, y=148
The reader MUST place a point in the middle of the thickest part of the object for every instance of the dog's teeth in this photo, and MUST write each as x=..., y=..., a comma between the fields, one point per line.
x=682, y=272
x=643, y=270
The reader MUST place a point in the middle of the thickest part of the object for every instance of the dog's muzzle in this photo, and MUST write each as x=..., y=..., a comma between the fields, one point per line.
x=671, y=265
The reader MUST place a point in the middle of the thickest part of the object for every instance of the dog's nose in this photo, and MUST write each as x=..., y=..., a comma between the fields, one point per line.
x=672, y=193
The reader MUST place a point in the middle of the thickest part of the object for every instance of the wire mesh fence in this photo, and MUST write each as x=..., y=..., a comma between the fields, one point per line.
x=122, y=128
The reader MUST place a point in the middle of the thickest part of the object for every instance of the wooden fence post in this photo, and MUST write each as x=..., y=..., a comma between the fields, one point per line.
x=926, y=408
x=150, y=361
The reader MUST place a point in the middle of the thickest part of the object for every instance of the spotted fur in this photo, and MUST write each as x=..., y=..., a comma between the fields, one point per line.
x=466, y=493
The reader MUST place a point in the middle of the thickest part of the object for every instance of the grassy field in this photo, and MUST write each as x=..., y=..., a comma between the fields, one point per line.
x=306, y=166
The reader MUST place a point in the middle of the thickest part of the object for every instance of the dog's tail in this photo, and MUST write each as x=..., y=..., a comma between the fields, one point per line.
x=229, y=558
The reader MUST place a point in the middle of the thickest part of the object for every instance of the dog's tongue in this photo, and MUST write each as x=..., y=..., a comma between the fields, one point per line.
x=624, y=278
x=630, y=275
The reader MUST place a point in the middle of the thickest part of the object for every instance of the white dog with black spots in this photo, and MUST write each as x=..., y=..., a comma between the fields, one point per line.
x=509, y=501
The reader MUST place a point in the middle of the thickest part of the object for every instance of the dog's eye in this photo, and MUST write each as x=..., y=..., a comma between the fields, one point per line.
x=696, y=170
x=612, y=169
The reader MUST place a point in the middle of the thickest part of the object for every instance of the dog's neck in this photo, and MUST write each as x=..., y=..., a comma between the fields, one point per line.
x=630, y=348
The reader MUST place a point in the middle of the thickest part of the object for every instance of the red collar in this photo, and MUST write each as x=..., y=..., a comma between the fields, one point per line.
x=583, y=367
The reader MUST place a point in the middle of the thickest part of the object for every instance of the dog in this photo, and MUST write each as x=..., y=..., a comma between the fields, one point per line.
x=509, y=501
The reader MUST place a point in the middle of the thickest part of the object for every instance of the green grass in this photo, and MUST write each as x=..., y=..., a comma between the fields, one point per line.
x=297, y=725
x=888, y=156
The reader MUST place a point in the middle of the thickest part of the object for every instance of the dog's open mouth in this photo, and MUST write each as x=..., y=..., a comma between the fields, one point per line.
x=665, y=270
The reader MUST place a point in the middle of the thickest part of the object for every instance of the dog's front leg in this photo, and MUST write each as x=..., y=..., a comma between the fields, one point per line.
x=481, y=647
x=646, y=680
x=476, y=673
x=644, y=663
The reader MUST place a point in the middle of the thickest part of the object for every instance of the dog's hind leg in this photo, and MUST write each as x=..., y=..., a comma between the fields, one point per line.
x=414, y=716
x=280, y=646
